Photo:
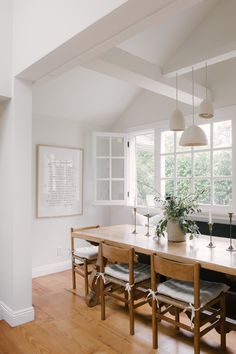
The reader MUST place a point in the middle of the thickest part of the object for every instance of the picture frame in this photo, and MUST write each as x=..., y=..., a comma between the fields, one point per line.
x=59, y=181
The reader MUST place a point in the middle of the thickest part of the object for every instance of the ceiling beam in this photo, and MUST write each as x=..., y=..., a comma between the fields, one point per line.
x=126, y=21
x=222, y=54
x=213, y=41
x=127, y=67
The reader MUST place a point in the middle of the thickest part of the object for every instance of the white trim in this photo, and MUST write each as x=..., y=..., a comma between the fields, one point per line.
x=51, y=268
x=16, y=318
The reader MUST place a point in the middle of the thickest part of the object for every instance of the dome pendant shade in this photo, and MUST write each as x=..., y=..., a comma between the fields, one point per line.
x=177, y=122
x=193, y=136
x=206, y=109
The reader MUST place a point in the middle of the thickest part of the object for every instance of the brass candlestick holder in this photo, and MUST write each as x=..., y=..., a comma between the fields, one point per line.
x=135, y=224
x=211, y=244
x=230, y=248
x=148, y=217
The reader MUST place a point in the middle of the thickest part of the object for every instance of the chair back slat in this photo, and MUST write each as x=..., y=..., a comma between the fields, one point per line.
x=173, y=269
x=116, y=254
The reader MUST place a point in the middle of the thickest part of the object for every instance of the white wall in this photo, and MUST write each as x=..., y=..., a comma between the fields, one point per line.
x=6, y=47
x=16, y=206
x=49, y=234
x=6, y=228
x=41, y=26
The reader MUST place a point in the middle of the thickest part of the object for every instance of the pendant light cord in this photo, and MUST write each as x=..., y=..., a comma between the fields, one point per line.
x=206, y=78
x=193, y=94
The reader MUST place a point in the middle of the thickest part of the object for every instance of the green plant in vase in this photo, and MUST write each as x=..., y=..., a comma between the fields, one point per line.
x=175, y=220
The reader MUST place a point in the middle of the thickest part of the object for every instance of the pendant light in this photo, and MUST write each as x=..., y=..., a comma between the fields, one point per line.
x=206, y=109
x=177, y=122
x=193, y=135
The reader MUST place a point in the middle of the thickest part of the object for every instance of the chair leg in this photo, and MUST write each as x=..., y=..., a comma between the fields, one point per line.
x=102, y=298
x=222, y=325
x=126, y=295
x=131, y=311
x=73, y=276
x=154, y=325
x=86, y=277
x=176, y=318
x=197, y=333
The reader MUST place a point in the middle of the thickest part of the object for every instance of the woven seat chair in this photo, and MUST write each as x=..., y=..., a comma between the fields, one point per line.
x=82, y=257
x=185, y=292
x=122, y=278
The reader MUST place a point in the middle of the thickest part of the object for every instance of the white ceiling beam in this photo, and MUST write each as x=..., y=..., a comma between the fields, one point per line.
x=125, y=66
x=126, y=21
x=217, y=56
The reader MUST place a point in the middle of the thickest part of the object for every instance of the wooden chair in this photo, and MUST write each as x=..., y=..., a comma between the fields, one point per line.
x=82, y=257
x=120, y=272
x=185, y=292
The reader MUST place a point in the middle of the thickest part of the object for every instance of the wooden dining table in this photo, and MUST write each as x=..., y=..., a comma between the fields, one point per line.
x=216, y=259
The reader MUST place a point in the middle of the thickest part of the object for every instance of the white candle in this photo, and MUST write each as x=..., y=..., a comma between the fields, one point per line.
x=230, y=207
x=148, y=210
x=210, y=216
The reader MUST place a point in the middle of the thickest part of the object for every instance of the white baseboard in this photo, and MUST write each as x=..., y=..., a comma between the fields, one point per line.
x=51, y=268
x=16, y=318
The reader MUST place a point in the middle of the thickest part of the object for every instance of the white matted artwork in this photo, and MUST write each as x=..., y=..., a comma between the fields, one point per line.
x=59, y=181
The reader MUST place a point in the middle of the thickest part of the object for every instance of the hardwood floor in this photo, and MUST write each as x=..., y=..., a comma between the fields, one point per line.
x=65, y=325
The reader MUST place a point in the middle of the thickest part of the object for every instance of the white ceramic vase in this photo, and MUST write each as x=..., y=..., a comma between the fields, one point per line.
x=174, y=232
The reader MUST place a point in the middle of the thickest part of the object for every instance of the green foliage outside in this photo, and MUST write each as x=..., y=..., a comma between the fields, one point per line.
x=222, y=168
x=145, y=175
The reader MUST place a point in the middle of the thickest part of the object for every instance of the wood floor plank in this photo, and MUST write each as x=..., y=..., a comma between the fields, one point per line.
x=65, y=325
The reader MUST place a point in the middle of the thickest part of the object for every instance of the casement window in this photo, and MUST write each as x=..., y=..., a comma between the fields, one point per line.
x=110, y=168
x=138, y=165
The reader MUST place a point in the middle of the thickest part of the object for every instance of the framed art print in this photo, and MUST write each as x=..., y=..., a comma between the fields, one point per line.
x=59, y=181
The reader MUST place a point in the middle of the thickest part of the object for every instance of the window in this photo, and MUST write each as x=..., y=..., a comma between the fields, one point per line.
x=209, y=168
x=110, y=154
x=142, y=168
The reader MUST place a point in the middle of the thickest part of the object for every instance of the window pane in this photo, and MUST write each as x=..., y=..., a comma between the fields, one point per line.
x=167, y=187
x=117, y=190
x=117, y=168
x=103, y=190
x=222, y=163
x=102, y=145
x=167, y=142
x=102, y=168
x=178, y=147
x=183, y=165
x=222, y=192
x=207, y=129
x=167, y=166
x=144, y=166
x=222, y=134
x=203, y=187
x=117, y=146
x=183, y=187
x=202, y=164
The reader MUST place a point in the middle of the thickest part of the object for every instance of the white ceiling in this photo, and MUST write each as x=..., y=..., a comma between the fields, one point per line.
x=158, y=44
x=221, y=81
x=84, y=96
x=87, y=96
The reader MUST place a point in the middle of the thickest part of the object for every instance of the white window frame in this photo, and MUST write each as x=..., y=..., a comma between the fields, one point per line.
x=227, y=113
x=110, y=179
x=215, y=208
x=131, y=163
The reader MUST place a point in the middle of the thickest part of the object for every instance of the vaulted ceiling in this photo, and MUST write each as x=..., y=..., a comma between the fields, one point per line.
x=99, y=87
